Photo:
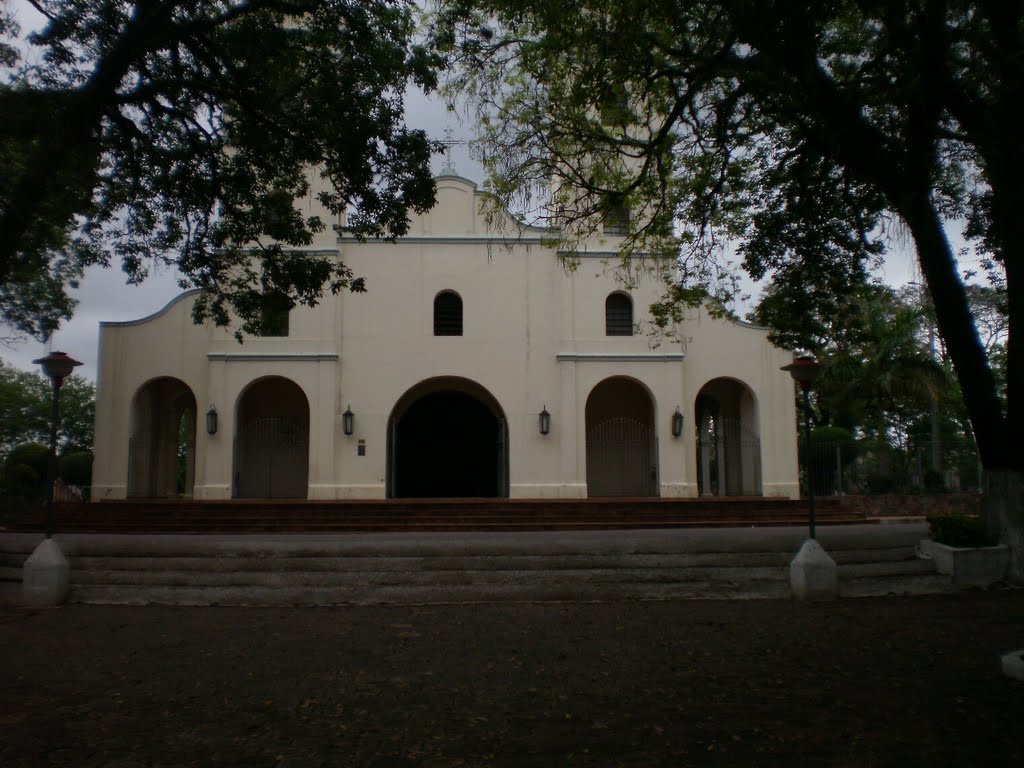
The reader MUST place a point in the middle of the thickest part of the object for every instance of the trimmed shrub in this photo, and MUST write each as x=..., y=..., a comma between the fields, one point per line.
x=26, y=470
x=831, y=435
x=76, y=469
x=24, y=481
x=958, y=530
x=34, y=455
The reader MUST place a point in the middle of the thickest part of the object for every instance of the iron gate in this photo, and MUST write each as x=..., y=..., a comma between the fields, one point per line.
x=158, y=469
x=141, y=466
x=728, y=459
x=621, y=459
x=272, y=460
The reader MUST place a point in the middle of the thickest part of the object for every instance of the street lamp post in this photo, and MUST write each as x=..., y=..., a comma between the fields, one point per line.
x=57, y=366
x=805, y=371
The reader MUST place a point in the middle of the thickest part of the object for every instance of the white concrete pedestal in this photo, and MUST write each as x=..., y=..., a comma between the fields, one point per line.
x=1013, y=665
x=45, y=576
x=813, y=575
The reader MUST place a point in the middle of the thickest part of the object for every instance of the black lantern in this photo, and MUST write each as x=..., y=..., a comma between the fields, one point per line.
x=677, y=423
x=348, y=421
x=211, y=421
x=57, y=366
x=805, y=370
x=545, y=421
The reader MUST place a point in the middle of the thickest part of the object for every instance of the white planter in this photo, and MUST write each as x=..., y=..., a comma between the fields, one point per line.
x=968, y=566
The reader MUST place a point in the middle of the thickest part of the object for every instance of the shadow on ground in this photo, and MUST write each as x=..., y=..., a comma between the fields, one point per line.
x=870, y=682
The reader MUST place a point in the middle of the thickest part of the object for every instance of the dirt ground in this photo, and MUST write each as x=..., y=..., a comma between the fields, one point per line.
x=868, y=682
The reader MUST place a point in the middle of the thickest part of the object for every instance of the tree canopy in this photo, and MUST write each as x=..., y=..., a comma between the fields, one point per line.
x=25, y=405
x=801, y=132
x=151, y=132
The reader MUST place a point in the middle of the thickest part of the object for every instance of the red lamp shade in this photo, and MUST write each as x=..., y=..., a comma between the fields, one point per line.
x=57, y=366
x=805, y=371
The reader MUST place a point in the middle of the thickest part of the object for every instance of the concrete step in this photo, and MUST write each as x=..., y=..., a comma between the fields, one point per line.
x=417, y=564
x=13, y=559
x=905, y=576
x=325, y=569
x=863, y=570
x=221, y=525
x=418, y=594
x=140, y=515
x=922, y=584
x=877, y=554
x=431, y=577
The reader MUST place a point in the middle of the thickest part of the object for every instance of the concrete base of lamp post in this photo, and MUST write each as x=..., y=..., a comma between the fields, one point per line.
x=45, y=576
x=813, y=575
x=1013, y=665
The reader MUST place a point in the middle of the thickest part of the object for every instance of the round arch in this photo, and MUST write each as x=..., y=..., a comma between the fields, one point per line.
x=271, y=457
x=728, y=439
x=622, y=451
x=162, y=444
x=447, y=438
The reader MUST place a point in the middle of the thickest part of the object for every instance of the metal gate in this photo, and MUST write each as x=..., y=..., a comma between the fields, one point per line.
x=159, y=469
x=272, y=460
x=621, y=459
x=728, y=459
x=141, y=466
x=501, y=457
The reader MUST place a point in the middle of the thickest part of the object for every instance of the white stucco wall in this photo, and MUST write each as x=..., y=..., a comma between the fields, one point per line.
x=533, y=337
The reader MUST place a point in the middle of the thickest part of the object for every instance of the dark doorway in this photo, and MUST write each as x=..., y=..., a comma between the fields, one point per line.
x=448, y=444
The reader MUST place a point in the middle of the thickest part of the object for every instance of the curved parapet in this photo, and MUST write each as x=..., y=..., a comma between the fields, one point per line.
x=164, y=345
x=148, y=318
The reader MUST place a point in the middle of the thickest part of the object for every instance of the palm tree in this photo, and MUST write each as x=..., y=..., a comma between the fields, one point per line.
x=884, y=379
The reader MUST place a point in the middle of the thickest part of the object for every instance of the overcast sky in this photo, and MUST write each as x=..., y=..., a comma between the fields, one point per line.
x=104, y=295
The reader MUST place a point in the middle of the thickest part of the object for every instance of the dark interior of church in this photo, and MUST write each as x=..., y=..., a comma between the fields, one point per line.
x=448, y=444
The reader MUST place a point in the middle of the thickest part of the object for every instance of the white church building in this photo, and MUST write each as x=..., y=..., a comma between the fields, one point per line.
x=475, y=365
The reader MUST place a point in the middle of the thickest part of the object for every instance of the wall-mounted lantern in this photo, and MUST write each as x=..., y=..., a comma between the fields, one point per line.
x=545, y=421
x=348, y=421
x=677, y=423
x=211, y=421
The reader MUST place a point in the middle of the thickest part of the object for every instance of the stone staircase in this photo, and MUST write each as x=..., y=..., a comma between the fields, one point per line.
x=408, y=568
x=448, y=515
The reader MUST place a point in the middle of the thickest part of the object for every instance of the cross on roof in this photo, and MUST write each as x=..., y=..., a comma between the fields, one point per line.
x=449, y=141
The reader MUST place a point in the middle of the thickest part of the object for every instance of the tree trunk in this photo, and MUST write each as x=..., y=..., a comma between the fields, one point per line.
x=1002, y=512
x=1002, y=501
x=957, y=329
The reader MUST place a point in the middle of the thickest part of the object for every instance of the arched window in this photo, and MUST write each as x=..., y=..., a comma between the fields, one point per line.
x=615, y=220
x=447, y=314
x=618, y=315
x=274, y=315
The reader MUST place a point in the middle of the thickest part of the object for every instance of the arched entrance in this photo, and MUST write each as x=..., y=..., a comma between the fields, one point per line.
x=272, y=441
x=728, y=441
x=447, y=438
x=161, y=449
x=622, y=454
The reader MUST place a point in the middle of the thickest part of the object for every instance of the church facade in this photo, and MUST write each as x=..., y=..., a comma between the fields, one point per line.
x=475, y=365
